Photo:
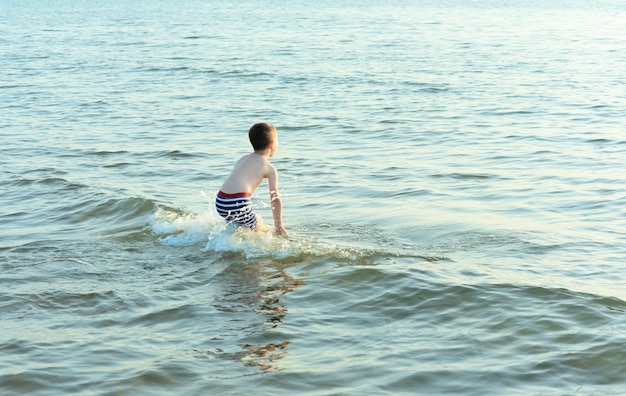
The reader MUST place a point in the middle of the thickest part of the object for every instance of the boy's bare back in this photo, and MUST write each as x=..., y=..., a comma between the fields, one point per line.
x=248, y=173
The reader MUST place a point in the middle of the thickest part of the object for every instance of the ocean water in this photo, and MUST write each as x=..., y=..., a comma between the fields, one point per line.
x=452, y=175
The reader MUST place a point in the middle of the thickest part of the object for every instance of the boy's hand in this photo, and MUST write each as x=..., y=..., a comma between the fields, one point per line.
x=280, y=231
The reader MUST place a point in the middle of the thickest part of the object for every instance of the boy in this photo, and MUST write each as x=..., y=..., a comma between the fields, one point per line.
x=233, y=200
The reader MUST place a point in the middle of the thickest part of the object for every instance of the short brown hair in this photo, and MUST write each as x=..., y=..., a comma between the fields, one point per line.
x=261, y=135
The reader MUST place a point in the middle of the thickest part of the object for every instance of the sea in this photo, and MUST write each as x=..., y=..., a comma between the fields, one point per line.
x=451, y=171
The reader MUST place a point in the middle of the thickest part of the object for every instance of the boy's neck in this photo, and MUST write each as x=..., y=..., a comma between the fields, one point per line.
x=263, y=153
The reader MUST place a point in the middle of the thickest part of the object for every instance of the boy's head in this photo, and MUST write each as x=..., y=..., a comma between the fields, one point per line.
x=262, y=135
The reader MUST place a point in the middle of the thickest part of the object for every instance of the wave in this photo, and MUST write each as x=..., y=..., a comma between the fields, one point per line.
x=111, y=217
x=51, y=207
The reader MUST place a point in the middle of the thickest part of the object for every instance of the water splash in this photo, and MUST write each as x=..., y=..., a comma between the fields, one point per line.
x=175, y=228
x=183, y=229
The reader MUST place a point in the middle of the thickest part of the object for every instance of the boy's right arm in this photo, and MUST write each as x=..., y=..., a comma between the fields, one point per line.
x=277, y=211
x=276, y=202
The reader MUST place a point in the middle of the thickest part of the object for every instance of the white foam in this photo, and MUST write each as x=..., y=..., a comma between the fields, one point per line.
x=208, y=228
x=175, y=229
x=252, y=244
x=263, y=243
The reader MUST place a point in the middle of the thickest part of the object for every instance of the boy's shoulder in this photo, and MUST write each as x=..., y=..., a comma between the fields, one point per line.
x=256, y=161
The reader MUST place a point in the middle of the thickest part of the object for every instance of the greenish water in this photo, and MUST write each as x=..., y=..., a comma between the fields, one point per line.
x=451, y=174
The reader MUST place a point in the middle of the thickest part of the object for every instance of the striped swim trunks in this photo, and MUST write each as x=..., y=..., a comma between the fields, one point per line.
x=236, y=208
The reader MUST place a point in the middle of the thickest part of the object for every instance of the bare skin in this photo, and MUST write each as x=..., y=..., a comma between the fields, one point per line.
x=249, y=172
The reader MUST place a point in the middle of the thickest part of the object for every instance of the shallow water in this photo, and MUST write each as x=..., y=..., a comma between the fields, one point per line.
x=451, y=174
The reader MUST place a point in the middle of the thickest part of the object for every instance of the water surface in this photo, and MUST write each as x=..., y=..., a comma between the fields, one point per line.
x=451, y=174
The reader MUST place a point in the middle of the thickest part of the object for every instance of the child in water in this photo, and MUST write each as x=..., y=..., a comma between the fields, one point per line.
x=233, y=200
